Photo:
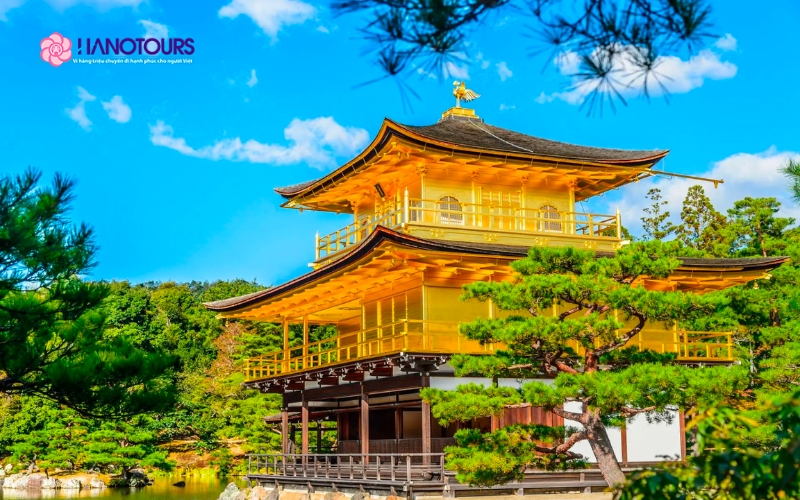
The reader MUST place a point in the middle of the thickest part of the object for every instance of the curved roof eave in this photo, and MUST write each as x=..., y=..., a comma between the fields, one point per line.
x=389, y=128
x=381, y=234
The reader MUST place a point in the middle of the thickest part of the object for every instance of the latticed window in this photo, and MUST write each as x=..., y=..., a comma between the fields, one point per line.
x=551, y=219
x=450, y=211
x=414, y=215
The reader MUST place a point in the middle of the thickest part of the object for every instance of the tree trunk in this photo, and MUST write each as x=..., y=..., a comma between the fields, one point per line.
x=601, y=446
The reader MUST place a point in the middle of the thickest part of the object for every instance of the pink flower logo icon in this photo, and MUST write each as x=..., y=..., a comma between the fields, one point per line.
x=56, y=49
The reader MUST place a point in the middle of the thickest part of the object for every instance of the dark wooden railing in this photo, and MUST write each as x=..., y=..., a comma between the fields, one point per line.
x=402, y=446
x=396, y=467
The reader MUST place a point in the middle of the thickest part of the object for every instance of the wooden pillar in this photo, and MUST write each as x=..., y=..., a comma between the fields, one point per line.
x=285, y=430
x=571, y=220
x=319, y=436
x=305, y=336
x=363, y=427
x=398, y=428
x=286, y=353
x=682, y=423
x=426, y=432
x=624, y=443
x=304, y=427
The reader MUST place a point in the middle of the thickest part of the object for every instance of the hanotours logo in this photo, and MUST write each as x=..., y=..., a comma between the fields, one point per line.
x=56, y=49
x=139, y=46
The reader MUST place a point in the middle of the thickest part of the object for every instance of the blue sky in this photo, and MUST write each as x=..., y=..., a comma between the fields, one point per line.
x=176, y=163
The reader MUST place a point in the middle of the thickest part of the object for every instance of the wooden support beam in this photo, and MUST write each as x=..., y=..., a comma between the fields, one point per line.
x=285, y=333
x=319, y=436
x=398, y=424
x=305, y=335
x=426, y=432
x=624, y=443
x=304, y=427
x=682, y=424
x=285, y=430
x=363, y=427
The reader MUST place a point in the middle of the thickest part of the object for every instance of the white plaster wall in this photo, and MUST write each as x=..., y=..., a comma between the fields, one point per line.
x=646, y=441
x=654, y=442
x=450, y=383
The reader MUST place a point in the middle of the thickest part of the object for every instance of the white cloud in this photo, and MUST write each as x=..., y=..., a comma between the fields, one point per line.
x=727, y=42
x=154, y=30
x=253, y=79
x=315, y=141
x=323, y=29
x=78, y=113
x=270, y=15
x=117, y=110
x=671, y=74
x=745, y=174
x=503, y=71
x=424, y=72
x=6, y=5
x=506, y=107
x=453, y=70
x=485, y=63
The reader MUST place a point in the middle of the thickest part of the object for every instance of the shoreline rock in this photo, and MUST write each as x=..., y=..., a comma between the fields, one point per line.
x=39, y=481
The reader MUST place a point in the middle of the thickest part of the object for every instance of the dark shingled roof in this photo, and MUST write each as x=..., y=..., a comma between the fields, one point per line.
x=382, y=234
x=473, y=133
x=476, y=134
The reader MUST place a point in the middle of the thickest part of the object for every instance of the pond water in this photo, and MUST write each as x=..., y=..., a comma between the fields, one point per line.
x=197, y=488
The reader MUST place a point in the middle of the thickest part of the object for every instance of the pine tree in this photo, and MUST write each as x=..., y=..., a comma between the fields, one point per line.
x=726, y=467
x=701, y=225
x=656, y=226
x=792, y=172
x=121, y=446
x=51, y=330
x=570, y=317
x=754, y=229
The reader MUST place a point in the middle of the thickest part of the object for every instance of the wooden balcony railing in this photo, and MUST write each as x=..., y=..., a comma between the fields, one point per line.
x=442, y=337
x=404, y=468
x=436, y=337
x=453, y=214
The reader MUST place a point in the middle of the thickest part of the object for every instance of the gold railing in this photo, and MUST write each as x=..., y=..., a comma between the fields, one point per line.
x=511, y=218
x=438, y=337
x=686, y=345
x=442, y=337
x=451, y=214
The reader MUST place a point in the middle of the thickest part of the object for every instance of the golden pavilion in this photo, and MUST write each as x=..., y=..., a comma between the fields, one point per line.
x=434, y=207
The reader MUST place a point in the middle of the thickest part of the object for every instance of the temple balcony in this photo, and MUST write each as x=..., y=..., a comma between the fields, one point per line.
x=500, y=223
x=442, y=338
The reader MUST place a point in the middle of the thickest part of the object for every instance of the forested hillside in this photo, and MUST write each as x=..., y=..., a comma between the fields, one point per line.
x=215, y=421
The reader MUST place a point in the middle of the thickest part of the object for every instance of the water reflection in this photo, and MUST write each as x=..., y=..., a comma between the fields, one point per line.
x=199, y=488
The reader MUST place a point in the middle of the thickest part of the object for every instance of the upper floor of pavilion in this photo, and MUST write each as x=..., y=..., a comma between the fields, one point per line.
x=464, y=180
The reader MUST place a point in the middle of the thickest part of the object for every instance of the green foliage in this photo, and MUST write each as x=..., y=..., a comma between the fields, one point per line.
x=754, y=229
x=792, y=172
x=212, y=408
x=570, y=310
x=656, y=224
x=726, y=468
x=119, y=445
x=487, y=459
x=701, y=225
x=51, y=330
x=468, y=402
